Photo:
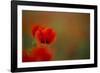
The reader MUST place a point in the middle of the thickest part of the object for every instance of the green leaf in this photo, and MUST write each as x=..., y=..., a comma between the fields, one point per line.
x=34, y=42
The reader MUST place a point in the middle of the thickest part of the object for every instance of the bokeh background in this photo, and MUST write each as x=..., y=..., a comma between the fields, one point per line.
x=72, y=32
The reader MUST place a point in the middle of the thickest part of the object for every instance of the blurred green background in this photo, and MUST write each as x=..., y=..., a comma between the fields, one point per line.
x=72, y=32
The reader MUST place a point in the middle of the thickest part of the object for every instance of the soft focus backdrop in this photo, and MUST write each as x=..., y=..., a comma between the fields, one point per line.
x=72, y=32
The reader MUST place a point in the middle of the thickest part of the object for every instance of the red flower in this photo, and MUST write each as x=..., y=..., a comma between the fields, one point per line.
x=41, y=54
x=46, y=35
x=37, y=54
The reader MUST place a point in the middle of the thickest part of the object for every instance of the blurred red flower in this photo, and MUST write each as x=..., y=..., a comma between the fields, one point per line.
x=37, y=54
x=46, y=36
x=41, y=54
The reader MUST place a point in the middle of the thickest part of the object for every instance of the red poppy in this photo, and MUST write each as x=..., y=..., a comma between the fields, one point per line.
x=37, y=54
x=41, y=54
x=46, y=35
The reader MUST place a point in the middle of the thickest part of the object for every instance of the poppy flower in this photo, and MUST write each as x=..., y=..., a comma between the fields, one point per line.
x=46, y=36
x=41, y=54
